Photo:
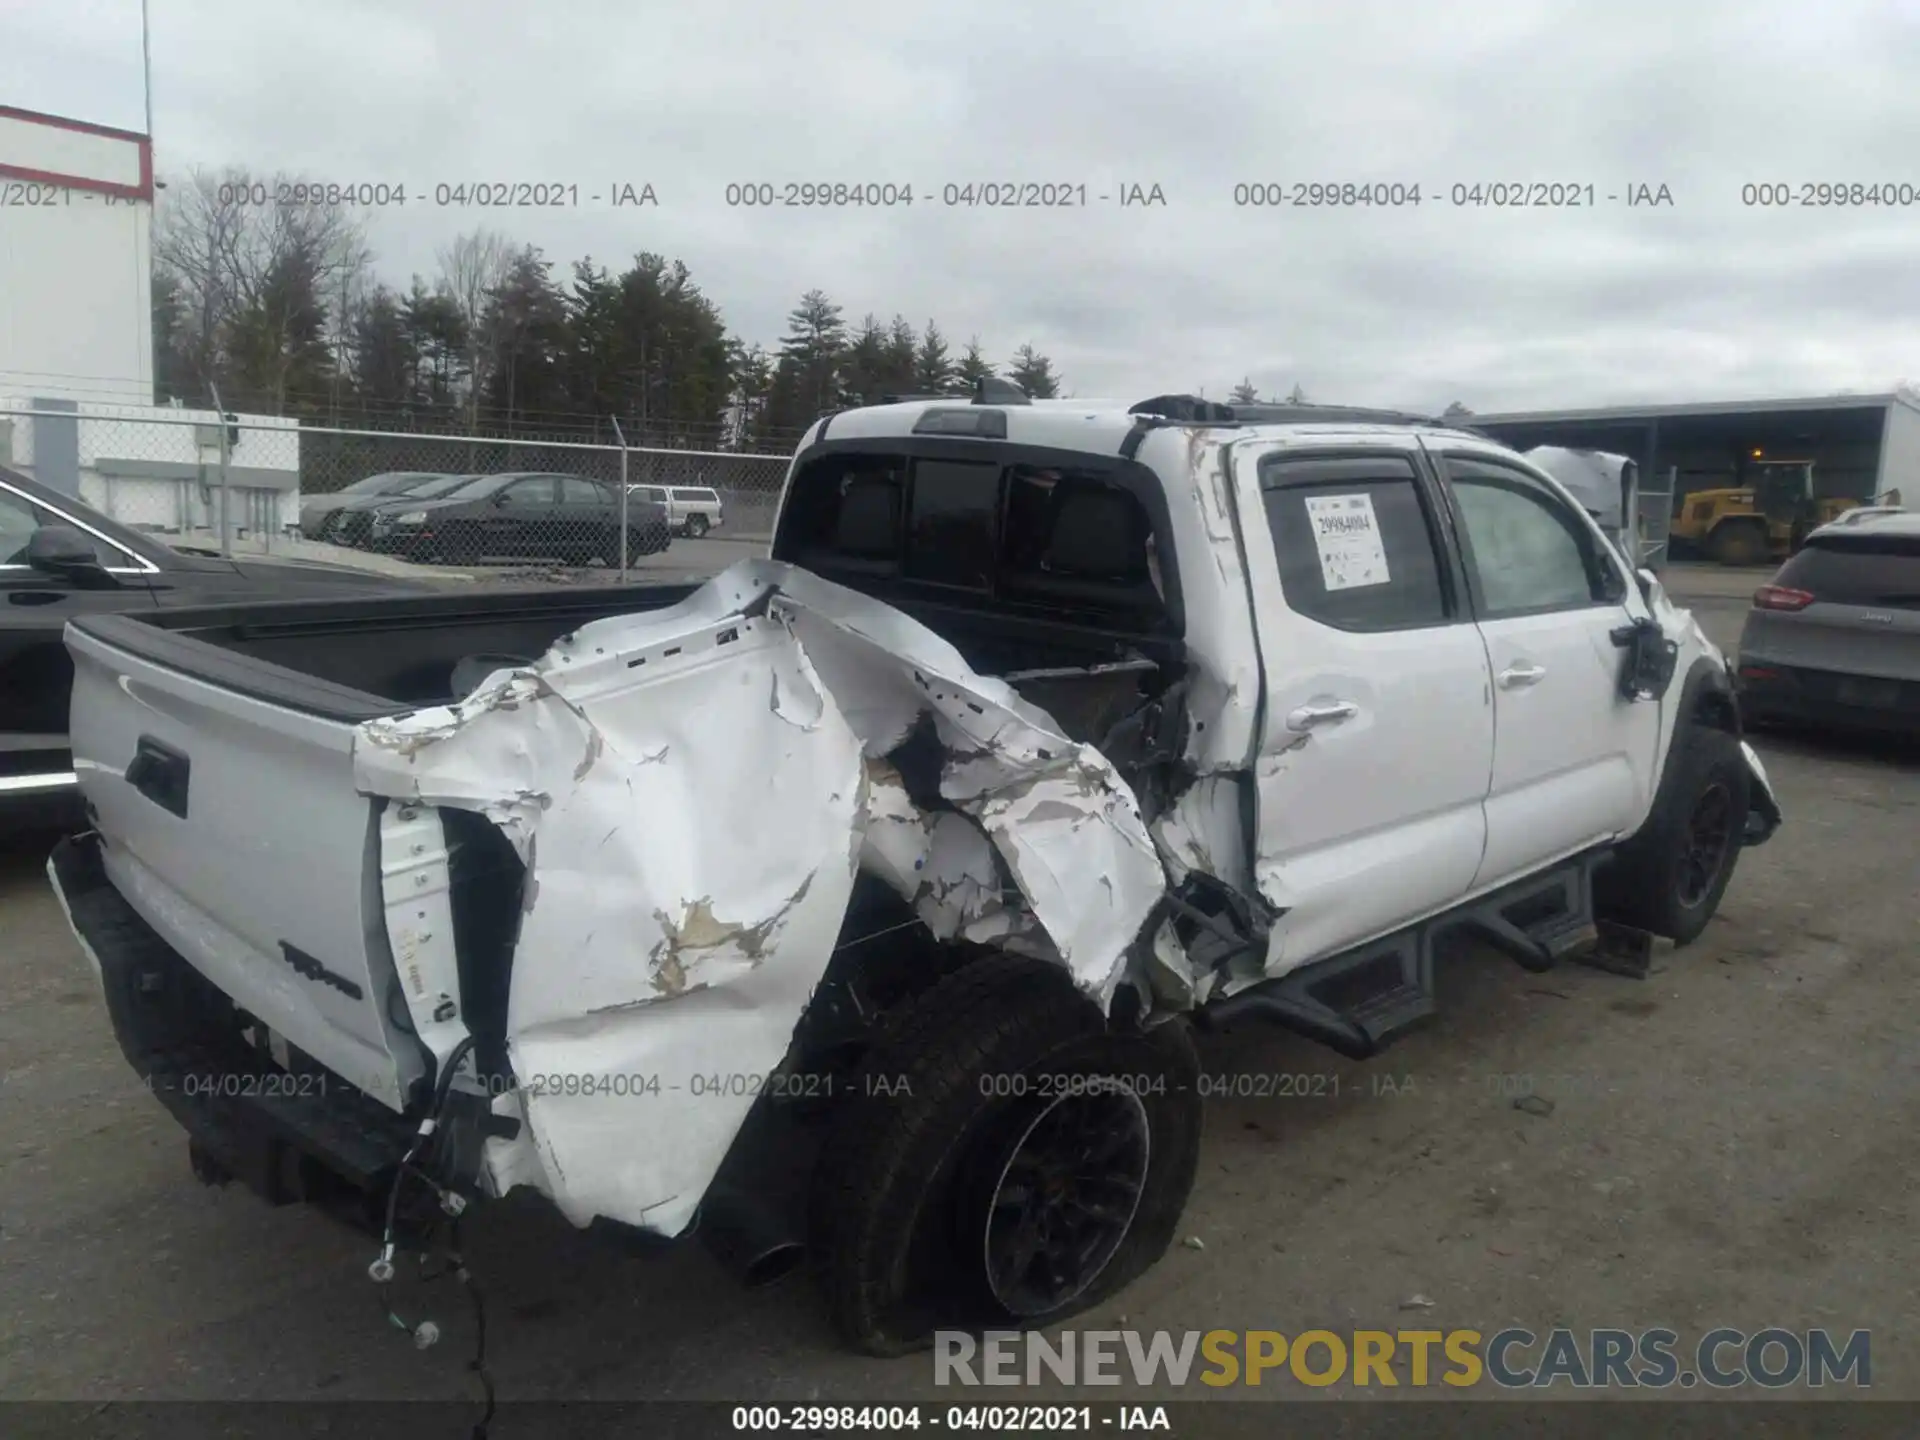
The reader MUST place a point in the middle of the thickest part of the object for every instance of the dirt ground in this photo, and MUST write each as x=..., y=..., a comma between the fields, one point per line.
x=1729, y=1142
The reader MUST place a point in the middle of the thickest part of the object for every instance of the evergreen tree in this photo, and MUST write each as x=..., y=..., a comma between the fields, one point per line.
x=973, y=366
x=526, y=337
x=1033, y=373
x=932, y=370
x=381, y=353
x=806, y=376
x=863, y=376
x=896, y=370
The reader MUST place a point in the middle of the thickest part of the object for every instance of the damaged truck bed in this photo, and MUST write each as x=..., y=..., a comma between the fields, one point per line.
x=1039, y=733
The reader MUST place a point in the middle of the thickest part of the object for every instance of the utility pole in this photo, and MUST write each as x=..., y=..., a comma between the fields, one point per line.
x=146, y=68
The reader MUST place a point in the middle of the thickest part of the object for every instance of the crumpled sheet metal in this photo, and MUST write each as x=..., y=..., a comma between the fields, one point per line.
x=693, y=791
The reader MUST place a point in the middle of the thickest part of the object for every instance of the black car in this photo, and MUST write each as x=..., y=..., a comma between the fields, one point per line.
x=58, y=559
x=353, y=522
x=521, y=515
x=341, y=518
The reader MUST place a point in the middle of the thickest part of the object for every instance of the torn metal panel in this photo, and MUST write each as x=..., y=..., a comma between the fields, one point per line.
x=415, y=886
x=692, y=791
x=1204, y=832
x=688, y=868
x=1055, y=809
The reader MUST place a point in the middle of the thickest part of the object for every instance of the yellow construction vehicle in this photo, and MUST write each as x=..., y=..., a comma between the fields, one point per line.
x=1760, y=521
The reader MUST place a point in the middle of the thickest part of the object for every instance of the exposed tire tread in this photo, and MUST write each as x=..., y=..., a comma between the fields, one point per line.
x=1637, y=888
x=998, y=1013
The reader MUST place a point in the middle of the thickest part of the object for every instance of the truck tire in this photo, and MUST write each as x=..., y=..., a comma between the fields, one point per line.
x=696, y=526
x=1669, y=878
x=1738, y=542
x=1005, y=1159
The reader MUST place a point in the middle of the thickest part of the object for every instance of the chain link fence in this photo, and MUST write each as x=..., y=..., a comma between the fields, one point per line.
x=451, y=506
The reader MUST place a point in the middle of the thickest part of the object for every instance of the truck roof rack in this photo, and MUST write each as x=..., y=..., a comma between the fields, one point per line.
x=1191, y=409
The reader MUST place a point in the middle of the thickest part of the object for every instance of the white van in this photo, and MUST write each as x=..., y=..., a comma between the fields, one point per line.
x=692, y=510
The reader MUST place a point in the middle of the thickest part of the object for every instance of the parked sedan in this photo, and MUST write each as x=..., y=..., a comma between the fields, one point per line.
x=521, y=516
x=1834, y=637
x=320, y=514
x=60, y=558
x=350, y=523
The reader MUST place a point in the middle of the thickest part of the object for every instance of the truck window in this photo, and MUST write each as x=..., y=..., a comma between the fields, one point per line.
x=1073, y=537
x=1528, y=554
x=1059, y=539
x=953, y=523
x=1355, y=544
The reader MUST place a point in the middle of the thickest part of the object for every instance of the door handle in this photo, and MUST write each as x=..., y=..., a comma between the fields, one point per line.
x=1516, y=676
x=1327, y=712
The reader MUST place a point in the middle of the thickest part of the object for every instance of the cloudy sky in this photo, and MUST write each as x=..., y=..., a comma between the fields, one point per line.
x=1706, y=298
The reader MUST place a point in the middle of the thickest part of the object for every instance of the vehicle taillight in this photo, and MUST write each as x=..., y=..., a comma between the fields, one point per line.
x=1781, y=597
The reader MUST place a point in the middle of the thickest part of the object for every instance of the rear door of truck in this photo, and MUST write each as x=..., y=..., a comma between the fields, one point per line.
x=222, y=789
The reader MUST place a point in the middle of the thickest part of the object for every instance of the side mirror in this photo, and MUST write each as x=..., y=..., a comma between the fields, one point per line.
x=500, y=497
x=64, y=553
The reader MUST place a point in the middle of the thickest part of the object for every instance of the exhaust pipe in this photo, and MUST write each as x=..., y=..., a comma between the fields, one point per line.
x=749, y=1237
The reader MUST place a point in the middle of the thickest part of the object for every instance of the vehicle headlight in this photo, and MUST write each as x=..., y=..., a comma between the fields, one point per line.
x=412, y=517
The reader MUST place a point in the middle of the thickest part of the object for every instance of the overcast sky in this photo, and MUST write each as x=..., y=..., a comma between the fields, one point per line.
x=1501, y=309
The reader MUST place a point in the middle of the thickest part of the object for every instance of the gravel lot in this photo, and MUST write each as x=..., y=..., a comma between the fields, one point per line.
x=1729, y=1142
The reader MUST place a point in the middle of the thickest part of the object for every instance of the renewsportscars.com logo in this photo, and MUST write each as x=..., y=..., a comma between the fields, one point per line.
x=1514, y=1358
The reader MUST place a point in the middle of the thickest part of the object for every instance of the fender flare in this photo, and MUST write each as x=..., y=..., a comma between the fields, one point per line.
x=1706, y=697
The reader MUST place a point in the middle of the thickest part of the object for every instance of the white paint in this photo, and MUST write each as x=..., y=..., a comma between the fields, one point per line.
x=416, y=882
x=76, y=315
x=1574, y=764
x=1347, y=536
x=1369, y=822
x=726, y=767
x=32, y=143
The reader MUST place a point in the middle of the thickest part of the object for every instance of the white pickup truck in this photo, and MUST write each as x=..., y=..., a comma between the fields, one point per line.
x=859, y=901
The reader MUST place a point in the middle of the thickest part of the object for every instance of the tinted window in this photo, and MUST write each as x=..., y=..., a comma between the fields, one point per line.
x=1355, y=547
x=1879, y=570
x=433, y=487
x=18, y=521
x=1072, y=535
x=1527, y=552
x=382, y=484
x=950, y=526
x=576, y=491
x=697, y=497
x=534, y=492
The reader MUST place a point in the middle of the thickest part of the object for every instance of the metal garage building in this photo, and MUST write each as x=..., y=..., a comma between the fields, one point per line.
x=1860, y=445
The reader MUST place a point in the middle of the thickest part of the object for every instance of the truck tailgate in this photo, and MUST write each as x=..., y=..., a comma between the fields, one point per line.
x=232, y=825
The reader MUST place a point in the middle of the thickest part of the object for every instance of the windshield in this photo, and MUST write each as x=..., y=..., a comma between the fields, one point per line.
x=384, y=484
x=441, y=485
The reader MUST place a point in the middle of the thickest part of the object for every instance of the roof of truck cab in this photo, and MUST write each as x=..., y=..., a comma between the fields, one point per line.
x=1101, y=427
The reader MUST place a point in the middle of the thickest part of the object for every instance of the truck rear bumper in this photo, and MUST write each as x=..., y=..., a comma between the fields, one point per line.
x=290, y=1136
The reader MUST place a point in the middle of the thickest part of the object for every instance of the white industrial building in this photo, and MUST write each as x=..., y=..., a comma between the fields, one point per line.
x=76, y=343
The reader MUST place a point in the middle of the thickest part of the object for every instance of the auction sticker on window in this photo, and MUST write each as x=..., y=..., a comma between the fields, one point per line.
x=1348, y=538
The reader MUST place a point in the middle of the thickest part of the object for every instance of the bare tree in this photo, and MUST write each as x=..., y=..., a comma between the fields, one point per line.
x=472, y=269
x=256, y=278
